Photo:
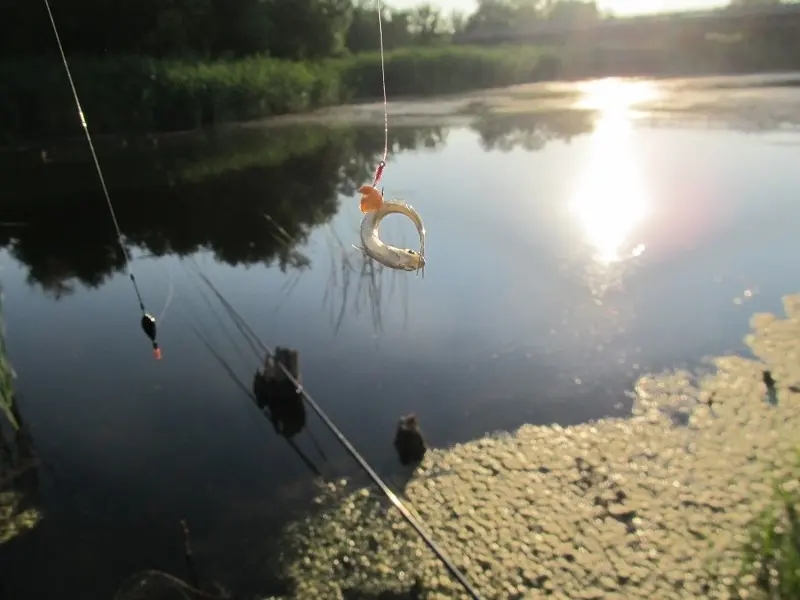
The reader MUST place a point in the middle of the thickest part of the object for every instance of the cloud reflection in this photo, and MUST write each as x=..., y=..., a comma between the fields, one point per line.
x=611, y=198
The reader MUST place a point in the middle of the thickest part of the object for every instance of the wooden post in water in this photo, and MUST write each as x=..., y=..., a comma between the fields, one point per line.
x=276, y=393
x=289, y=359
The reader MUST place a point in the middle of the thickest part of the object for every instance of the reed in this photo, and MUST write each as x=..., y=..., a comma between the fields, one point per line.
x=136, y=94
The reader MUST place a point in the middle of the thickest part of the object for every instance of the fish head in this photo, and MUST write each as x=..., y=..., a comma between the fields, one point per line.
x=415, y=260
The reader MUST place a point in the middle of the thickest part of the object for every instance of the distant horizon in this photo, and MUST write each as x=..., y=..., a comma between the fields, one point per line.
x=618, y=7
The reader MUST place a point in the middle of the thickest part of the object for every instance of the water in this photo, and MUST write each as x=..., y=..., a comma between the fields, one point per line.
x=634, y=227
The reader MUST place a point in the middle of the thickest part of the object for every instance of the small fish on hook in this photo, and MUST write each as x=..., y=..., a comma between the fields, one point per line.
x=403, y=259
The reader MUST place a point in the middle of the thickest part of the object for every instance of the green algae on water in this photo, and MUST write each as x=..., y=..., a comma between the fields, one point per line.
x=652, y=506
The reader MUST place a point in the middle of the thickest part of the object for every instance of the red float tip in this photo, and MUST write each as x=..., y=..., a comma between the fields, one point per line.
x=157, y=353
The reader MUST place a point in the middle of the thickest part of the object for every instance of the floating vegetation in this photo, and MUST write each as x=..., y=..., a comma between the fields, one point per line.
x=656, y=505
x=360, y=547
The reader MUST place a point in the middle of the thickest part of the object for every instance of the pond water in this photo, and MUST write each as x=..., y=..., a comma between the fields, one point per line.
x=569, y=251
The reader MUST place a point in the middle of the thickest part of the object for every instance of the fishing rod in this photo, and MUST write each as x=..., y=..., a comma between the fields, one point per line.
x=348, y=446
x=148, y=322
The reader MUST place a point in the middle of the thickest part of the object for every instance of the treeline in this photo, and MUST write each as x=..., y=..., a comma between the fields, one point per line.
x=159, y=65
x=285, y=29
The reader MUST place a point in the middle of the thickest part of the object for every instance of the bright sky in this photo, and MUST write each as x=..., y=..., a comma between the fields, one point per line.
x=620, y=7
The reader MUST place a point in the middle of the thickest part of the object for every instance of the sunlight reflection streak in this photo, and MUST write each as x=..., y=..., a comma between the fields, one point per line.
x=611, y=198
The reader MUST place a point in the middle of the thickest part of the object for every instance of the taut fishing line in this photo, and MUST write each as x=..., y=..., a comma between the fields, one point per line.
x=375, y=208
x=382, y=163
x=148, y=321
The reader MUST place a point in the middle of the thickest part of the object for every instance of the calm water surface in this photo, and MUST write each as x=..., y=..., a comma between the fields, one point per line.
x=568, y=253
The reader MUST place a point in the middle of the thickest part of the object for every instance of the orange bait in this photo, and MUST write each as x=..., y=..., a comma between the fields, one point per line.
x=371, y=198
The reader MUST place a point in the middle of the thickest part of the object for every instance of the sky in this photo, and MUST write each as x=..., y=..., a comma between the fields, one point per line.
x=620, y=7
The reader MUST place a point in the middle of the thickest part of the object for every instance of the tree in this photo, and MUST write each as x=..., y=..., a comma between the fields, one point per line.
x=498, y=16
x=573, y=12
x=426, y=24
x=305, y=29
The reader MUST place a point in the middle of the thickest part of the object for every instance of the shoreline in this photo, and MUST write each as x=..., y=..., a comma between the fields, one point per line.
x=682, y=94
x=654, y=505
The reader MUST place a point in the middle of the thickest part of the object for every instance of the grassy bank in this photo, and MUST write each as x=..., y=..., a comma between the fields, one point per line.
x=138, y=94
x=142, y=94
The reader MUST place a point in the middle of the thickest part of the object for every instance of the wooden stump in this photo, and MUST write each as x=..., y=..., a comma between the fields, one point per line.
x=278, y=395
x=408, y=441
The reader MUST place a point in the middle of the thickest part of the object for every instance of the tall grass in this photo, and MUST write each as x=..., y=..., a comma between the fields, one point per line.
x=771, y=556
x=142, y=94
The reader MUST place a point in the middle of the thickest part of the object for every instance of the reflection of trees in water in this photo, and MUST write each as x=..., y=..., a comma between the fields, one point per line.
x=534, y=131
x=531, y=132
x=403, y=139
x=245, y=196
x=55, y=260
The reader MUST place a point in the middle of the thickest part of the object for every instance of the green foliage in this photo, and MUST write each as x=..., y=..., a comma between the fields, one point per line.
x=771, y=557
x=235, y=183
x=447, y=69
x=207, y=29
x=144, y=94
x=158, y=65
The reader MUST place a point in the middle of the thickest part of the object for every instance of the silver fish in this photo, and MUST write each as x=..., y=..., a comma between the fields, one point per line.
x=403, y=259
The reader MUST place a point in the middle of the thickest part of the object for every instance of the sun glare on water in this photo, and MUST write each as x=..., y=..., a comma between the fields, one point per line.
x=611, y=198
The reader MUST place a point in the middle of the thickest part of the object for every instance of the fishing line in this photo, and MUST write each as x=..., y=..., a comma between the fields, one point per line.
x=148, y=322
x=238, y=382
x=382, y=163
x=405, y=512
x=170, y=284
x=170, y=296
x=257, y=353
x=251, y=396
x=237, y=348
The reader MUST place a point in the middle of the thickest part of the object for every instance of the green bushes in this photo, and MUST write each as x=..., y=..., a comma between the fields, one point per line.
x=137, y=94
x=143, y=94
x=446, y=69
